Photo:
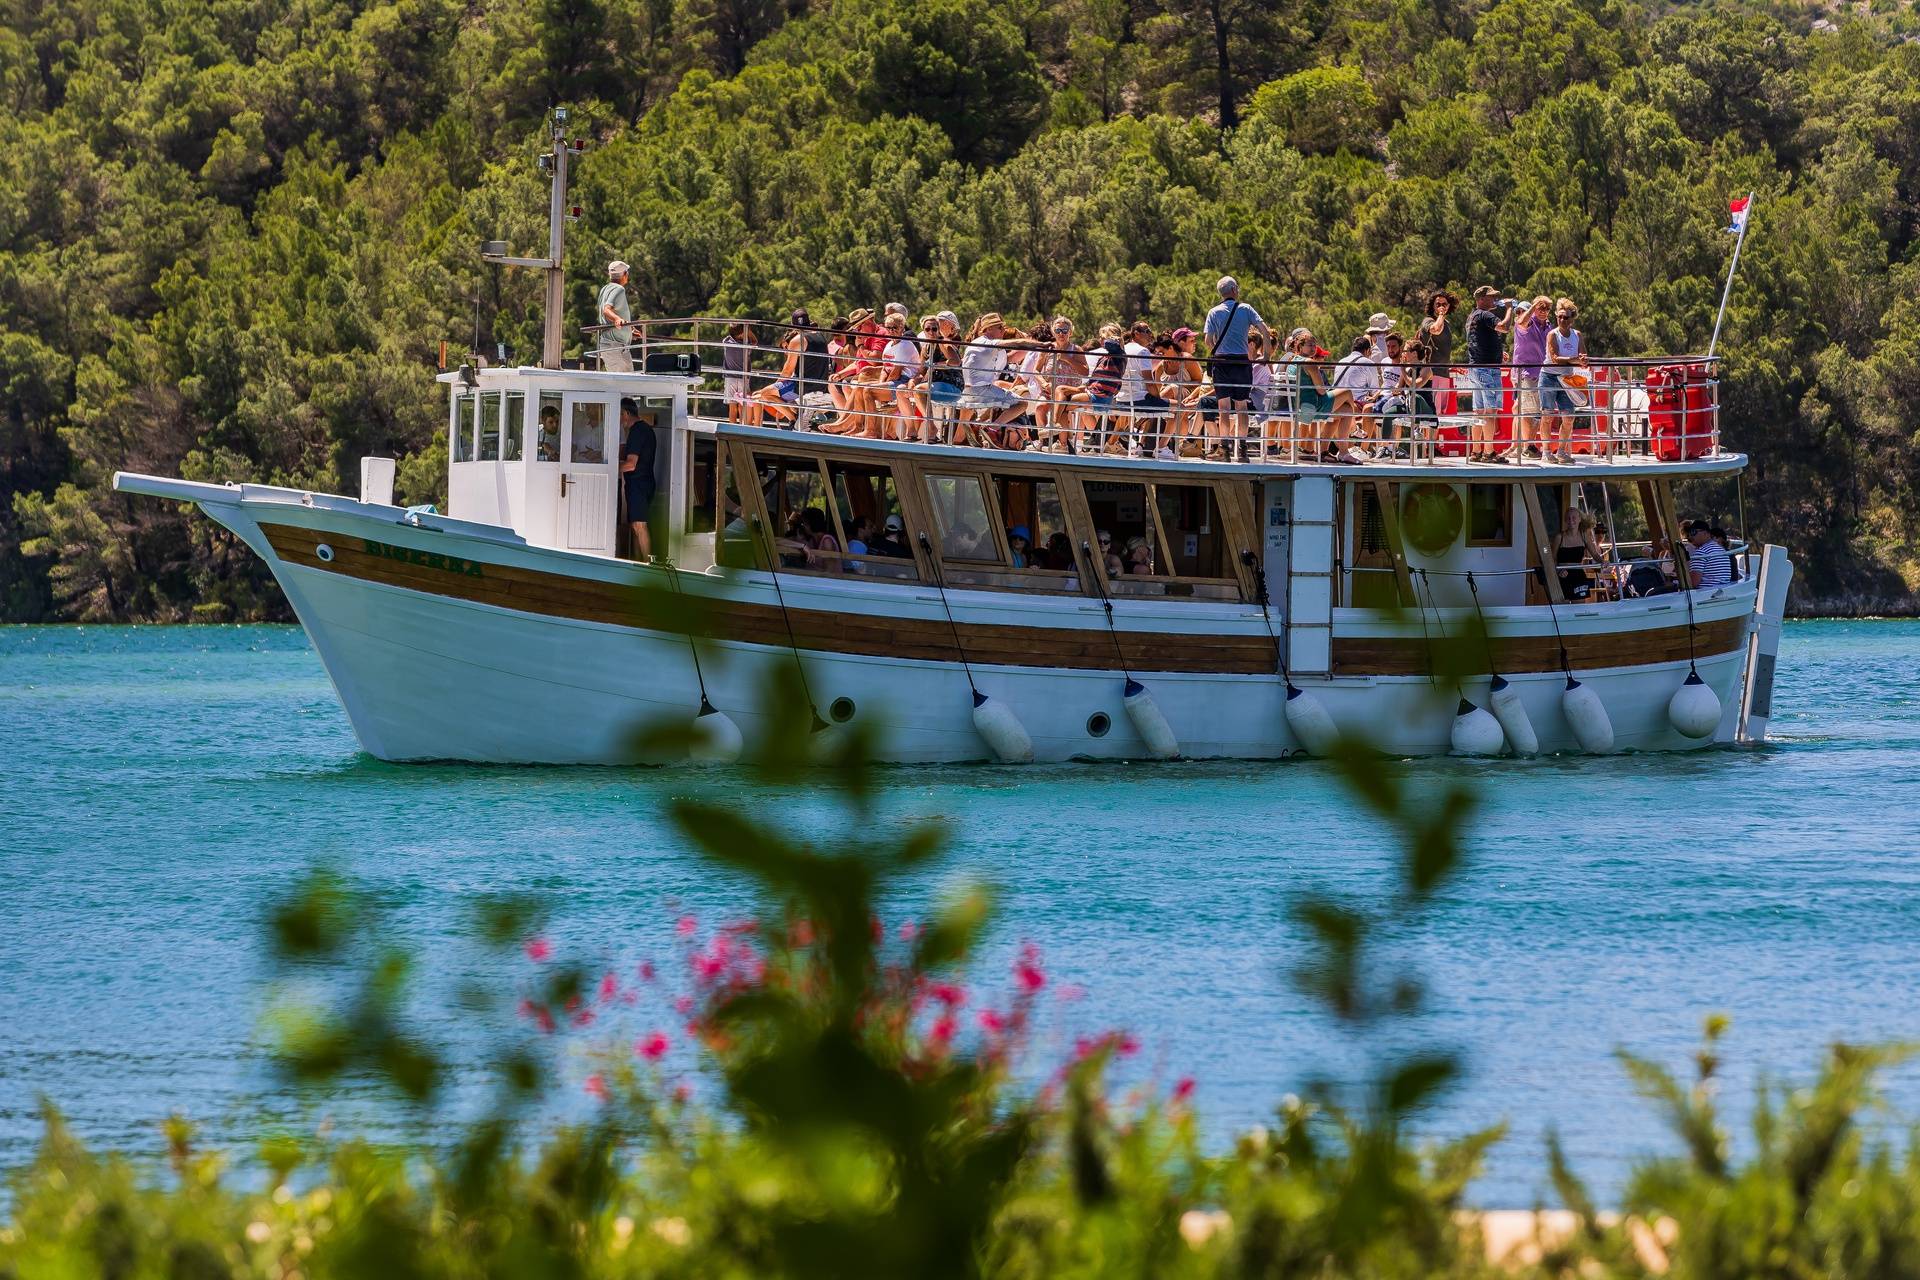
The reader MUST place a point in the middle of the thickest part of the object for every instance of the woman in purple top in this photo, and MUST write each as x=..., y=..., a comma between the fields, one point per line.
x=1529, y=354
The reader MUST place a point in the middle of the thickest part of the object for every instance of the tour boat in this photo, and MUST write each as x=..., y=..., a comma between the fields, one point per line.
x=1413, y=605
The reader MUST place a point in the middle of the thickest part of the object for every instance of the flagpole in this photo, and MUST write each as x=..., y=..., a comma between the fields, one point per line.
x=1746, y=221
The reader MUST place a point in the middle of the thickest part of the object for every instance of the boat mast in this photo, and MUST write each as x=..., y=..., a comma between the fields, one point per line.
x=553, y=163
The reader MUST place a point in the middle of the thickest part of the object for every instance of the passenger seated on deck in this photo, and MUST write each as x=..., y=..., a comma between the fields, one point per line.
x=1720, y=536
x=1575, y=545
x=779, y=399
x=1653, y=576
x=1108, y=559
x=1021, y=547
x=892, y=540
x=1139, y=555
x=1708, y=563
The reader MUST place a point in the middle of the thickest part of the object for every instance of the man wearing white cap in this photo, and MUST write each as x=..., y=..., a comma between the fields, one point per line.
x=1227, y=326
x=614, y=345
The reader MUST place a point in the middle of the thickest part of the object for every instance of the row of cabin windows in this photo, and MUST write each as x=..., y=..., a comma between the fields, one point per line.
x=1176, y=528
x=1489, y=517
x=489, y=426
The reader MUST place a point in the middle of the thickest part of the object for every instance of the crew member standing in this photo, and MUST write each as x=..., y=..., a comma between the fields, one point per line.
x=636, y=467
x=615, y=342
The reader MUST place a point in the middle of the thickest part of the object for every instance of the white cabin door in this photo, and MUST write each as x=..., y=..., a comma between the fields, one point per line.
x=588, y=508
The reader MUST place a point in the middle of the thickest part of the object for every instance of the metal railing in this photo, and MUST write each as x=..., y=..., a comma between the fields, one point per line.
x=1037, y=394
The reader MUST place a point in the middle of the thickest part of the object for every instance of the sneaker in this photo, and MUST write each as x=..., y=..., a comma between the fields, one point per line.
x=1165, y=454
x=1133, y=451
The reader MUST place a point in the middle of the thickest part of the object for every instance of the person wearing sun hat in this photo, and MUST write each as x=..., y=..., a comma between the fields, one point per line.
x=615, y=342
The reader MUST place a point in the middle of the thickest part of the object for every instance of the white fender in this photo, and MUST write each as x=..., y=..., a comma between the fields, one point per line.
x=1312, y=724
x=1475, y=732
x=1695, y=708
x=1001, y=730
x=1587, y=717
x=1504, y=701
x=1148, y=721
x=716, y=738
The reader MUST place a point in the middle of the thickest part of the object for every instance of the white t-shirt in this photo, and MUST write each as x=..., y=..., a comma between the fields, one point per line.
x=1390, y=374
x=980, y=366
x=1133, y=384
x=1357, y=373
x=903, y=358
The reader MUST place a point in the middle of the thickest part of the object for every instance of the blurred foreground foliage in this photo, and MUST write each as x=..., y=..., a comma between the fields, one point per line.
x=860, y=1109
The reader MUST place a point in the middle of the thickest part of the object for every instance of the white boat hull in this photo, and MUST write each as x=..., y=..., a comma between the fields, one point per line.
x=430, y=676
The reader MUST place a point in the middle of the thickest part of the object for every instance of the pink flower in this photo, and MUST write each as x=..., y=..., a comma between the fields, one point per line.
x=991, y=1022
x=909, y=931
x=583, y=1018
x=1069, y=991
x=685, y=926
x=646, y=971
x=684, y=1004
x=538, y=1014
x=1183, y=1089
x=943, y=1029
x=596, y=1087
x=652, y=1047
x=609, y=987
x=1027, y=971
x=538, y=949
x=948, y=994
x=1125, y=1044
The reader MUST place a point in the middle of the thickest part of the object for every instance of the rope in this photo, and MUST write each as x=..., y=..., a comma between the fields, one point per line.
x=1426, y=639
x=706, y=707
x=939, y=584
x=1686, y=589
x=1264, y=599
x=1558, y=639
x=792, y=643
x=1100, y=580
x=1486, y=636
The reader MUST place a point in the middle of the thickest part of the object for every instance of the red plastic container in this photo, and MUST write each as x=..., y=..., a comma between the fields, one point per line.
x=1452, y=440
x=1680, y=411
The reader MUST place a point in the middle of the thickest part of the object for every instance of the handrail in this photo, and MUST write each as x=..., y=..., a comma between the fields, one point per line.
x=1664, y=408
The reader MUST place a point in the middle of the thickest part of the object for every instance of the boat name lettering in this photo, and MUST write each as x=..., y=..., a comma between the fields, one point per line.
x=426, y=559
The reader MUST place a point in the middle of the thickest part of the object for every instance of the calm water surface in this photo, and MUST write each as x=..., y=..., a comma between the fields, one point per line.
x=163, y=784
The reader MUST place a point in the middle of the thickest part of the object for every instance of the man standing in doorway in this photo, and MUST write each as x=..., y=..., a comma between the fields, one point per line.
x=615, y=341
x=636, y=470
x=1228, y=325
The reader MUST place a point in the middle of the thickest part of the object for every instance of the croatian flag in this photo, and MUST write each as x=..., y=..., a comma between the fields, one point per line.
x=1739, y=210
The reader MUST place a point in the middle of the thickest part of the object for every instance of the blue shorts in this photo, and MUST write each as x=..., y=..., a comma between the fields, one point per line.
x=1486, y=389
x=1098, y=401
x=1556, y=399
x=787, y=389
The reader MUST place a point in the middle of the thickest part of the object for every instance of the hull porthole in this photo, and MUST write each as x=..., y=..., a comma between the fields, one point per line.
x=841, y=710
x=324, y=553
x=1098, y=723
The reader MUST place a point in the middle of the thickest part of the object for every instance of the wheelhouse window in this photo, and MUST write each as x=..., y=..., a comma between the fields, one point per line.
x=463, y=418
x=589, y=431
x=513, y=426
x=546, y=434
x=962, y=520
x=489, y=427
x=1489, y=515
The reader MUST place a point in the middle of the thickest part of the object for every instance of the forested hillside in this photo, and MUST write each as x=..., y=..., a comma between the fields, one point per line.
x=233, y=232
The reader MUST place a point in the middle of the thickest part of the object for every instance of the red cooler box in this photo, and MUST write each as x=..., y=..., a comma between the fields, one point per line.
x=1680, y=410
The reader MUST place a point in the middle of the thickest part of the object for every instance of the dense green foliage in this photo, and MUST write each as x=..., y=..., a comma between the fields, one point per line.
x=861, y=1111
x=233, y=234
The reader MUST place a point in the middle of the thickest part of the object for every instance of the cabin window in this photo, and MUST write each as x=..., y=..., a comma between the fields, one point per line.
x=1034, y=504
x=1369, y=523
x=868, y=494
x=489, y=427
x=463, y=407
x=589, y=431
x=703, y=484
x=736, y=535
x=1190, y=520
x=513, y=426
x=792, y=486
x=960, y=511
x=1489, y=515
x=546, y=437
x=1120, y=511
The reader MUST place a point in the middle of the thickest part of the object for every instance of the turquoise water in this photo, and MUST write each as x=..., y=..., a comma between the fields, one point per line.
x=163, y=784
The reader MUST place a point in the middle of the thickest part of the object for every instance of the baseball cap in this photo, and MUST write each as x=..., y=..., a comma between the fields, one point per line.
x=617, y=268
x=895, y=524
x=1182, y=334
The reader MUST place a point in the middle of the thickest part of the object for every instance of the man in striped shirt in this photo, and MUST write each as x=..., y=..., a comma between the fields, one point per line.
x=1708, y=563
